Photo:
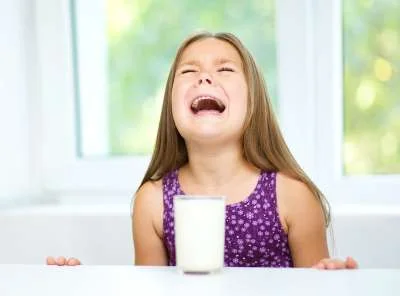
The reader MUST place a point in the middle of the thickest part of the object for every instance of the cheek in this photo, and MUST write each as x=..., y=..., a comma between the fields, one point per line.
x=175, y=109
x=176, y=98
x=178, y=91
x=240, y=106
x=241, y=95
x=177, y=105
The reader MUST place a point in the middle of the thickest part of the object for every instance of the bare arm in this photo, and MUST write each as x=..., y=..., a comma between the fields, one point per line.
x=304, y=219
x=147, y=226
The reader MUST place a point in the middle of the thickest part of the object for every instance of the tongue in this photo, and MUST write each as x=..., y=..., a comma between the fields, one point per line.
x=206, y=105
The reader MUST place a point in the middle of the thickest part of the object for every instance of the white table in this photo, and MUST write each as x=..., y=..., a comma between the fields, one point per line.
x=132, y=280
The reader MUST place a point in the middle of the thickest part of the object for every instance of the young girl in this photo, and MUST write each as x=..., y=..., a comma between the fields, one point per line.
x=218, y=136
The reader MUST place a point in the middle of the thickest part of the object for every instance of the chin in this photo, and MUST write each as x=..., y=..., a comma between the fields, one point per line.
x=211, y=137
x=204, y=135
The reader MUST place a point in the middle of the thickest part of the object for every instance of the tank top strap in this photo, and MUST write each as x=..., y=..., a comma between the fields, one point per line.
x=170, y=189
x=170, y=186
x=268, y=183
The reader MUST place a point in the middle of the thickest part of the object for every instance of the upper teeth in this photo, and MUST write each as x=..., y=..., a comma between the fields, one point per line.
x=196, y=101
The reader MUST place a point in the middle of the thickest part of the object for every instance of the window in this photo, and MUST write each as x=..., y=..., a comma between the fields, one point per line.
x=332, y=69
x=343, y=60
x=123, y=52
x=371, y=87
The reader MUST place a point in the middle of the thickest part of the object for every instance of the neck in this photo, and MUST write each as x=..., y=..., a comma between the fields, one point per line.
x=216, y=166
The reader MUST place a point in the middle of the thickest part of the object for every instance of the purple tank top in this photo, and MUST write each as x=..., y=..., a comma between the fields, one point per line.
x=254, y=236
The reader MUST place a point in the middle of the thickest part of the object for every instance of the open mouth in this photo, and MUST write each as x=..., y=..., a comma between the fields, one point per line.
x=207, y=103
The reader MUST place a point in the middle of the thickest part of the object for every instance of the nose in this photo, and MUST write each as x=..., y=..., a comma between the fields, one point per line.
x=205, y=78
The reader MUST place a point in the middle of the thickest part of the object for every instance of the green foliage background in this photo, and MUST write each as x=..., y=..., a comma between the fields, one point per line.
x=144, y=35
x=143, y=39
x=372, y=86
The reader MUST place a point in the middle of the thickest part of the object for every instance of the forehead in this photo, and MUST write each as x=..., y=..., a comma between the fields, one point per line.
x=210, y=49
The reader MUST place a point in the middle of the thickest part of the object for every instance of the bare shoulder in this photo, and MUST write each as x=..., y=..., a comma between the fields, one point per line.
x=148, y=201
x=147, y=225
x=290, y=188
x=295, y=198
x=149, y=192
x=304, y=218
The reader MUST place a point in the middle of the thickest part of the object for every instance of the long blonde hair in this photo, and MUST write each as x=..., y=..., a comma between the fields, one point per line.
x=263, y=143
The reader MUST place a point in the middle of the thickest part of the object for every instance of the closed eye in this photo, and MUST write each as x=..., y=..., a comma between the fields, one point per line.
x=188, y=71
x=225, y=69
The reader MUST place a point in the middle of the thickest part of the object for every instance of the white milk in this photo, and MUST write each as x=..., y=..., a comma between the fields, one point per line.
x=199, y=233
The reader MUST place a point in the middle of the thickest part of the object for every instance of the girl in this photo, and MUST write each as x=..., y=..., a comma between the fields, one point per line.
x=218, y=136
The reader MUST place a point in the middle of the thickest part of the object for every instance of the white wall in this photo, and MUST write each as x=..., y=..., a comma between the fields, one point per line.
x=17, y=89
x=98, y=235
x=101, y=235
x=369, y=233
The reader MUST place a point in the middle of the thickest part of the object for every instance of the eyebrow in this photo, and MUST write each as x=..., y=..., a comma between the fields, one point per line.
x=218, y=61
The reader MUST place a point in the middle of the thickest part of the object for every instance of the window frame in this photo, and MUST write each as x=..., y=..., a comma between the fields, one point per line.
x=64, y=173
x=310, y=104
x=340, y=188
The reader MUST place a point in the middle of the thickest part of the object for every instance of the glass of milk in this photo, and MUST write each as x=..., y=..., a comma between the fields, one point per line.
x=199, y=233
